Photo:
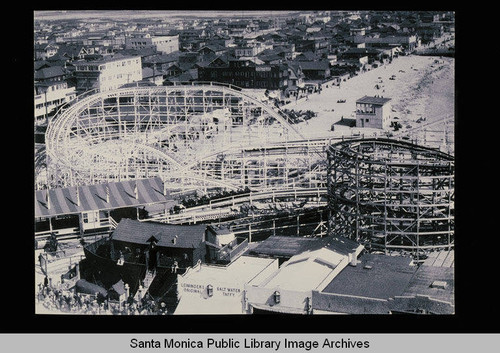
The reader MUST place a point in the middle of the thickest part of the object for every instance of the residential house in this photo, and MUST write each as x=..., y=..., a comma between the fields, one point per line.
x=307, y=56
x=211, y=51
x=295, y=79
x=51, y=74
x=44, y=51
x=153, y=76
x=161, y=61
x=271, y=59
x=72, y=51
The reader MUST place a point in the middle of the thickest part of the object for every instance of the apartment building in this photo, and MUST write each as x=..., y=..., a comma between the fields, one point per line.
x=49, y=96
x=107, y=73
x=162, y=44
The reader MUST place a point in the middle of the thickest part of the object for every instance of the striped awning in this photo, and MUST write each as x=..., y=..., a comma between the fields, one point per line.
x=108, y=196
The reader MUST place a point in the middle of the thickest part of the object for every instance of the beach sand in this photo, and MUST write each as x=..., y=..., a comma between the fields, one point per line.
x=422, y=89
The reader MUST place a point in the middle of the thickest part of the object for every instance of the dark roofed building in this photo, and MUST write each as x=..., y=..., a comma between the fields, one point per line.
x=381, y=284
x=146, y=252
x=373, y=100
x=357, y=53
x=284, y=247
x=164, y=235
x=244, y=73
x=52, y=73
x=155, y=245
x=374, y=276
x=315, y=70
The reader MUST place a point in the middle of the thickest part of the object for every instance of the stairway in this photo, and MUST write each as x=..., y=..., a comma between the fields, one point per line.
x=148, y=279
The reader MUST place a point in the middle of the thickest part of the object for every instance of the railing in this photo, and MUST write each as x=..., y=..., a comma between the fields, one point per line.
x=48, y=259
x=112, y=222
x=209, y=83
x=233, y=250
x=207, y=211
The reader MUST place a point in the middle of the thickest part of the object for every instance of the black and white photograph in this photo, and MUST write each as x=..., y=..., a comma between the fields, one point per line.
x=243, y=163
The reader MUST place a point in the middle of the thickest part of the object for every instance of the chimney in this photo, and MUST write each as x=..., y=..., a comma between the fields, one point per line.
x=136, y=192
x=353, y=259
x=174, y=240
x=77, y=196
x=47, y=199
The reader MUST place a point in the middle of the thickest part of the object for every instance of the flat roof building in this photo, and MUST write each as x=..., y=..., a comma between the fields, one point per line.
x=373, y=112
x=107, y=73
x=381, y=284
x=212, y=289
x=162, y=44
x=284, y=247
x=289, y=289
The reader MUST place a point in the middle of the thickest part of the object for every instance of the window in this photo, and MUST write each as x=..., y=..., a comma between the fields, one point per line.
x=367, y=120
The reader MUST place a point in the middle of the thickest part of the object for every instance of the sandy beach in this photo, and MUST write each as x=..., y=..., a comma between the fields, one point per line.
x=423, y=88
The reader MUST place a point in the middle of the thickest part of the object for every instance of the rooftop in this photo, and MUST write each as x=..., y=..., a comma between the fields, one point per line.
x=133, y=231
x=432, y=281
x=286, y=246
x=441, y=259
x=76, y=199
x=306, y=271
x=245, y=269
x=375, y=276
x=373, y=100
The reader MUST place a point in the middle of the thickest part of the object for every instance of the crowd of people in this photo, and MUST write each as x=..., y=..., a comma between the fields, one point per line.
x=58, y=300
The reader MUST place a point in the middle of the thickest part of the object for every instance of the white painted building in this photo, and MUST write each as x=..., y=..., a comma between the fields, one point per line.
x=289, y=289
x=216, y=289
x=49, y=96
x=108, y=73
x=373, y=112
x=163, y=44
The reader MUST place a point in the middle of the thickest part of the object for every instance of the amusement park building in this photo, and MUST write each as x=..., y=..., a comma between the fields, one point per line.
x=289, y=290
x=209, y=289
x=380, y=284
x=79, y=209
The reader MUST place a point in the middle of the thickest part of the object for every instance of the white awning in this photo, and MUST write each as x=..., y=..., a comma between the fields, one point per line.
x=279, y=309
x=210, y=306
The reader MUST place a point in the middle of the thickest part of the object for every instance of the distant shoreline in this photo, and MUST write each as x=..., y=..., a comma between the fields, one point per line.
x=129, y=14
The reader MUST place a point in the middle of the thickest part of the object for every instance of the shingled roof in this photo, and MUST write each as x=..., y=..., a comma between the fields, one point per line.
x=133, y=231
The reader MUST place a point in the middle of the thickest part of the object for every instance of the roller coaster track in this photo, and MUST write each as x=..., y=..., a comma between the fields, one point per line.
x=226, y=207
x=66, y=147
